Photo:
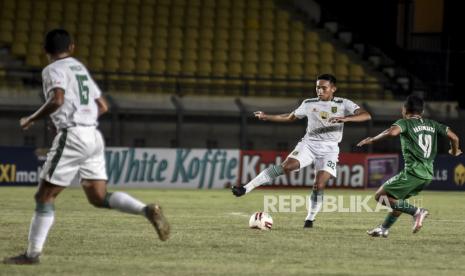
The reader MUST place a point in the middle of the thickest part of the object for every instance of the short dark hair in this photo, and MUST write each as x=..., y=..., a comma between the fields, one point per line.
x=57, y=41
x=414, y=104
x=327, y=77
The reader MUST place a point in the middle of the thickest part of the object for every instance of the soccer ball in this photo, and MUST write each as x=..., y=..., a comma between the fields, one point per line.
x=261, y=220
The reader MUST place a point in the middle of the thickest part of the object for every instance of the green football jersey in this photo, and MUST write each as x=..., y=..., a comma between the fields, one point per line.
x=418, y=139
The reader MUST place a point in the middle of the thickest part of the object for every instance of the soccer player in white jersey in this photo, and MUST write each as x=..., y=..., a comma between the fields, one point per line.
x=74, y=102
x=326, y=116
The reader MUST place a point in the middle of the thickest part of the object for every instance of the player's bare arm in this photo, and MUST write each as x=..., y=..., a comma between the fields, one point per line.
x=280, y=118
x=454, y=143
x=54, y=102
x=360, y=115
x=102, y=105
x=393, y=131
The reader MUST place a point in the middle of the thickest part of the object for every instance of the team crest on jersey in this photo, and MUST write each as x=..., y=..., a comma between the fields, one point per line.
x=295, y=152
x=324, y=115
x=334, y=109
x=314, y=109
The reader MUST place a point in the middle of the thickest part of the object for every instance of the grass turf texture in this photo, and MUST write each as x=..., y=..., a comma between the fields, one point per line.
x=210, y=236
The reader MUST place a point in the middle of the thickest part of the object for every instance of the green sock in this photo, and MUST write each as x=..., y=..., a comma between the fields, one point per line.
x=274, y=171
x=389, y=221
x=404, y=207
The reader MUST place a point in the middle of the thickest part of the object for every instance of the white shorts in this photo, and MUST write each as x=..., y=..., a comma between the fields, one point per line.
x=324, y=154
x=77, y=153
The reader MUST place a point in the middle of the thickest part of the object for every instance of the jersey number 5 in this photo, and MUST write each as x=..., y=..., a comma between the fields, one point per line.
x=424, y=141
x=83, y=89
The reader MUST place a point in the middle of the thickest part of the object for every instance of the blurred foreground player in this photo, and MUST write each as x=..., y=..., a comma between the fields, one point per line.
x=74, y=102
x=418, y=137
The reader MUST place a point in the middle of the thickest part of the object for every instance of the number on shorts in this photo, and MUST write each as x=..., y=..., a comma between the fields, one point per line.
x=83, y=89
x=424, y=141
x=331, y=164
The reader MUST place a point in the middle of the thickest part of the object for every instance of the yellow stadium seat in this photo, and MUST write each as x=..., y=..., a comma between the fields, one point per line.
x=33, y=60
x=83, y=40
x=175, y=42
x=237, y=23
x=326, y=47
x=311, y=58
x=282, y=36
x=205, y=44
x=192, y=33
x=342, y=59
x=238, y=4
x=204, y=68
x=189, y=54
x=265, y=69
x=296, y=46
x=206, y=34
x=326, y=69
x=266, y=56
x=310, y=70
x=21, y=37
x=114, y=41
x=219, y=68
x=21, y=26
x=312, y=37
x=188, y=67
x=142, y=65
x=265, y=46
x=251, y=56
x=174, y=54
x=295, y=71
x=253, y=4
x=296, y=36
x=220, y=44
x=312, y=47
x=356, y=70
x=179, y=3
x=128, y=53
x=234, y=69
x=143, y=52
x=19, y=49
x=280, y=70
x=158, y=66
x=205, y=55
x=341, y=71
x=281, y=57
x=97, y=52
x=220, y=55
x=113, y=52
x=296, y=58
x=96, y=63
x=82, y=51
x=222, y=22
x=173, y=66
x=192, y=22
x=281, y=46
x=225, y=4
x=35, y=49
x=235, y=56
x=161, y=21
x=251, y=45
x=326, y=58
x=249, y=69
x=221, y=34
x=23, y=14
x=236, y=45
x=266, y=35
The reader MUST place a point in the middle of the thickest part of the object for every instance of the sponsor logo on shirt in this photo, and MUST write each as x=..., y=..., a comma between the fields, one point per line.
x=334, y=109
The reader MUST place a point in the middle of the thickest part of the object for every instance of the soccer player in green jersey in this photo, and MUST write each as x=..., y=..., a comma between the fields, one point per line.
x=418, y=137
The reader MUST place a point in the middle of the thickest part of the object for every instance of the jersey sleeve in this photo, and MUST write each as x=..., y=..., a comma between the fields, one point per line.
x=350, y=107
x=442, y=129
x=53, y=78
x=300, y=111
x=400, y=123
x=96, y=90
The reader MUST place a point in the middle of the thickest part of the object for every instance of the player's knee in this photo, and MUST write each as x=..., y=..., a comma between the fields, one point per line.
x=318, y=186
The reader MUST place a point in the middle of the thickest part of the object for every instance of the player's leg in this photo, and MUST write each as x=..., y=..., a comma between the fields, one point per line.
x=41, y=223
x=299, y=158
x=316, y=198
x=98, y=196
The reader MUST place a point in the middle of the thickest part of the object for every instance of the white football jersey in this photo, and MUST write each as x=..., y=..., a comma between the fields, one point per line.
x=79, y=107
x=318, y=114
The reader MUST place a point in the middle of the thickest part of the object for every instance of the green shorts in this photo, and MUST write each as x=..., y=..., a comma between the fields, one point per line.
x=405, y=185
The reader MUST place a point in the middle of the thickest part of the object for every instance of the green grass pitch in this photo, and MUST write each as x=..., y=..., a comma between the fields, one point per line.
x=210, y=236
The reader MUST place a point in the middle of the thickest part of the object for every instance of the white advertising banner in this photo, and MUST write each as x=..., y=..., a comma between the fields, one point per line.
x=172, y=168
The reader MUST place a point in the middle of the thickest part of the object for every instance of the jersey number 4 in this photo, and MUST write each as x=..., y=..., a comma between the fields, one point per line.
x=424, y=141
x=83, y=89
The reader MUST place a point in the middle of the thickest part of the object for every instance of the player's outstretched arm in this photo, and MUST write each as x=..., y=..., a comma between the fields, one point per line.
x=281, y=118
x=102, y=105
x=390, y=132
x=54, y=102
x=454, y=143
x=360, y=115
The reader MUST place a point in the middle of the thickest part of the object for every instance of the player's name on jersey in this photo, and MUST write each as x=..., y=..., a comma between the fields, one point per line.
x=424, y=128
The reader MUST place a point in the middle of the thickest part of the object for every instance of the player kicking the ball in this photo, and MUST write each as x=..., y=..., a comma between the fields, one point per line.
x=418, y=137
x=74, y=103
x=326, y=116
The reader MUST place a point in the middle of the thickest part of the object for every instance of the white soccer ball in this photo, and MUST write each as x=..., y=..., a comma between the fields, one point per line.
x=261, y=220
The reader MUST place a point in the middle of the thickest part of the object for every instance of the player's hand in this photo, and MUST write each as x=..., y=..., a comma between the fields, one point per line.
x=366, y=141
x=25, y=123
x=260, y=115
x=455, y=153
x=335, y=120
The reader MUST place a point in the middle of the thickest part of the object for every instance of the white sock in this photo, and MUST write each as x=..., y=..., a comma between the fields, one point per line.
x=315, y=203
x=38, y=231
x=265, y=176
x=260, y=179
x=126, y=203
